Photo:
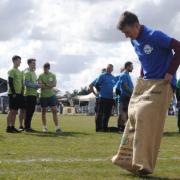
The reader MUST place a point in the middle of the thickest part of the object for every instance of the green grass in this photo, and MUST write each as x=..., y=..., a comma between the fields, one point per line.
x=79, y=153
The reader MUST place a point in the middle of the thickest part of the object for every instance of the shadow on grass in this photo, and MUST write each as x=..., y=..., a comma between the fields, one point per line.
x=171, y=134
x=53, y=134
x=150, y=177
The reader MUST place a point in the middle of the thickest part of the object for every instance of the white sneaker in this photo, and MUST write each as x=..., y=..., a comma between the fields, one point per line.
x=58, y=131
x=45, y=130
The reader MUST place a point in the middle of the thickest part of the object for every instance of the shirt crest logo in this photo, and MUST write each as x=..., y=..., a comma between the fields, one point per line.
x=147, y=49
x=50, y=79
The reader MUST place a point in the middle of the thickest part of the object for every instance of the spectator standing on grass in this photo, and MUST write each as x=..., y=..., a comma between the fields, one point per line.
x=47, y=97
x=96, y=93
x=15, y=93
x=104, y=85
x=31, y=86
x=124, y=88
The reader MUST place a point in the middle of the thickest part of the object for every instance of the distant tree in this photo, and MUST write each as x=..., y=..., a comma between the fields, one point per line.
x=83, y=91
x=74, y=93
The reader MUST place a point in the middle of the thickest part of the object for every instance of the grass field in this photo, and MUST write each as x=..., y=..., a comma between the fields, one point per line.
x=79, y=153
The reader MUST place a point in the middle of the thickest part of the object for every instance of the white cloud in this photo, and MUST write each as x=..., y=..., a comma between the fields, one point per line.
x=79, y=37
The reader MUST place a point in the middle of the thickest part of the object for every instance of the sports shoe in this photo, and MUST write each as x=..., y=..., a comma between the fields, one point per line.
x=15, y=130
x=21, y=128
x=45, y=130
x=58, y=131
x=9, y=129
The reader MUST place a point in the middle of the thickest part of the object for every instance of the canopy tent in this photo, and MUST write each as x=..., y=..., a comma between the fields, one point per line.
x=3, y=94
x=3, y=85
x=86, y=98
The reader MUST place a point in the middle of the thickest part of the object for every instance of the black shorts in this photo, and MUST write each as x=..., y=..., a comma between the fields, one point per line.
x=48, y=101
x=17, y=102
x=125, y=103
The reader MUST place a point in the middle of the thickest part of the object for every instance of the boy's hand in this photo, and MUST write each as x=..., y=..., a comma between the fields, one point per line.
x=168, y=78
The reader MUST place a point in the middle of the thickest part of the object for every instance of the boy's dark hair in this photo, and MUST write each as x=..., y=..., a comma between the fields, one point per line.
x=46, y=65
x=15, y=57
x=127, y=19
x=103, y=70
x=127, y=64
x=29, y=61
x=109, y=65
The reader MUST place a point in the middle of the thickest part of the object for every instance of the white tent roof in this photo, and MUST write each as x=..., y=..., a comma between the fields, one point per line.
x=88, y=97
x=4, y=94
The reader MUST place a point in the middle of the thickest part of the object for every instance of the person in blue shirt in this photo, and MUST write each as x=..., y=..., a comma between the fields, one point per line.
x=124, y=88
x=104, y=85
x=155, y=52
x=96, y=93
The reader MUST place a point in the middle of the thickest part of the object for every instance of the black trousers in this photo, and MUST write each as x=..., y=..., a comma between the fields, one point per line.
x=103, y=114
x=96, y=105
x=30, y=108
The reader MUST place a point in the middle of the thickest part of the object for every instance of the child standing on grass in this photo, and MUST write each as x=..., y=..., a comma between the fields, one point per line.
x=15, y=93
x=48, y=98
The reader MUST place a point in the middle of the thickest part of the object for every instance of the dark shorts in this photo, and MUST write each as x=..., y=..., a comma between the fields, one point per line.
x=125, y=103
x=49, y=101
x=17, y=102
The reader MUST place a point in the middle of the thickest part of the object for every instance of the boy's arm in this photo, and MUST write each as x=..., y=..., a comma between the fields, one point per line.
x=11, y=85
x=175, y=45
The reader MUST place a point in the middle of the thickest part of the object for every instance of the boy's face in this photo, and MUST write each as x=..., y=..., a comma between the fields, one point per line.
x=46, y=69
x=131, y=32
x=17, y=62
x=32, y=65
x=110, y=69
x=130, y=68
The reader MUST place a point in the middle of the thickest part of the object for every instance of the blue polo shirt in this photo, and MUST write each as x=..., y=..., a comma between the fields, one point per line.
x=117, y=77
x=118, y=86
x=126, y=79
x=154, y=52
x=106, y=82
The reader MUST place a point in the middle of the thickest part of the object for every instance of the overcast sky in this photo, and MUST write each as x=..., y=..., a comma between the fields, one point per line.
x=78, y=37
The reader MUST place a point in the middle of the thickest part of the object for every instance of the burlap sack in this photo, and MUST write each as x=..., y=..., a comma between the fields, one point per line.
x=142, y=136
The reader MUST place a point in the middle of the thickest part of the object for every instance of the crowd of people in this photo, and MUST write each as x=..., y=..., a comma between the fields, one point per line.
x=105, y=84
x=22, y=94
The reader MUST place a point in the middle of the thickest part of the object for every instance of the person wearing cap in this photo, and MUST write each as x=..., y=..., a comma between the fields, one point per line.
x=47, y=96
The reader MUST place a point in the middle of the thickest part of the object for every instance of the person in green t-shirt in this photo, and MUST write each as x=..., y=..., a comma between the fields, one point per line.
x=15, y=93
x=178, y=102
x=31, y=86
x=48, y=98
